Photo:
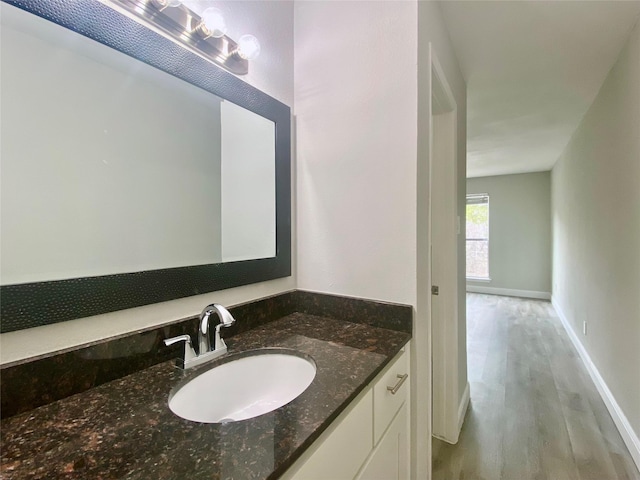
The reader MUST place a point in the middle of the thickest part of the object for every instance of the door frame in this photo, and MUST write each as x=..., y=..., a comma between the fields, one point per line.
x=421, y=353
x=449, y=403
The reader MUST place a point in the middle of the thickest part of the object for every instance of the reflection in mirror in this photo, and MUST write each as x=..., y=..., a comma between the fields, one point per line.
x=112, y=166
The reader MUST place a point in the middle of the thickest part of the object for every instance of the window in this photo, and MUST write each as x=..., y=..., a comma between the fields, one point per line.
x=478, y=236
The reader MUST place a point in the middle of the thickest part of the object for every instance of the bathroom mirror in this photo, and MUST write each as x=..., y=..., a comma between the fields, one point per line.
x=134, y=171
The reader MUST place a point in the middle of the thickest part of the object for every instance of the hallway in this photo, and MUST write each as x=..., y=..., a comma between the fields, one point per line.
x=534, y=411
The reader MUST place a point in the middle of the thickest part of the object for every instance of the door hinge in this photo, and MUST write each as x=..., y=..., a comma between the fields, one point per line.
x=435, y=290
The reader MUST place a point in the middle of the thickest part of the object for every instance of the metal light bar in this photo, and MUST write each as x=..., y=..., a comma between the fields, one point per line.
x=182, y=25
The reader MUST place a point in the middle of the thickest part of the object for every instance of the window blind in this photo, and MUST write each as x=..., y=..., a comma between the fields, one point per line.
x=478, y=199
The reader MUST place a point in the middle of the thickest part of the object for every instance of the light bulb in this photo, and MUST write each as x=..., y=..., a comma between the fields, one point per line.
x=248, y=47
x=213, y=21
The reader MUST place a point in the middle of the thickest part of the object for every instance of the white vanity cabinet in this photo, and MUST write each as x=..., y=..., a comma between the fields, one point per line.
x=390, y=458
x=370, y=439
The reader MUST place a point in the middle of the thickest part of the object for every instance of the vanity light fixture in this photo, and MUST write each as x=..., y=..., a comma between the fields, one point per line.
x=206, y=34
x=162, y=4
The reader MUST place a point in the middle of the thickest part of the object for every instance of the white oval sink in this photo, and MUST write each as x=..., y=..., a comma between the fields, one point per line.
x=243, y=388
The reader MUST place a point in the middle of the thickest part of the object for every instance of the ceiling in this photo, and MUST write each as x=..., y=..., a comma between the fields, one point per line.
x=533, y=68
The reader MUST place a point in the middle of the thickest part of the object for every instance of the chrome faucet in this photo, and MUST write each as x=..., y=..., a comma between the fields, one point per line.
x=205, y=352
x=226, y=320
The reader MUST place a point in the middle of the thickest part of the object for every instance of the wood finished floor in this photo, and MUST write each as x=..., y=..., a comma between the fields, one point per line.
x=535, y=412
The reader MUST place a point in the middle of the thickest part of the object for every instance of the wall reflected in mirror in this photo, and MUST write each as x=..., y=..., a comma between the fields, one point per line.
x=112, y=166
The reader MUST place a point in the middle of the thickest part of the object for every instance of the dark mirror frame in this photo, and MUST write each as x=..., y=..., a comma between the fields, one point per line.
x=41, y=303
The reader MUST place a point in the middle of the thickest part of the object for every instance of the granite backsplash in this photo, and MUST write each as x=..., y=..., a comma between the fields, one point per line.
x=35, y=382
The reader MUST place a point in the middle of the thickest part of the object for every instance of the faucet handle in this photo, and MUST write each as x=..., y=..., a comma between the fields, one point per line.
x=189, y=352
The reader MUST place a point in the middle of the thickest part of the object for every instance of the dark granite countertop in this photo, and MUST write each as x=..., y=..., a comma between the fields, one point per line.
x=124, y=428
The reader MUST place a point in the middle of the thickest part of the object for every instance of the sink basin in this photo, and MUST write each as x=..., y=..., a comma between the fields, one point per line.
x=244, y=388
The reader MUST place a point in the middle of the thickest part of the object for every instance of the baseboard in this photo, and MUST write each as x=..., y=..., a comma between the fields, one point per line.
x=462, y=411
x=630, y=437
x=509, y=292
x=464, y=405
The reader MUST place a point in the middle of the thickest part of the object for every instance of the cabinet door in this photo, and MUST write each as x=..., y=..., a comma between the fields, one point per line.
x=390, y=459
x=342, y=452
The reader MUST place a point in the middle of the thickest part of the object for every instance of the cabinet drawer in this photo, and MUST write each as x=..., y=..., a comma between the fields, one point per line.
x=386, y=403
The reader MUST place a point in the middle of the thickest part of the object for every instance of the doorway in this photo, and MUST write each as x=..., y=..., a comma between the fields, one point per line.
x=450, y=394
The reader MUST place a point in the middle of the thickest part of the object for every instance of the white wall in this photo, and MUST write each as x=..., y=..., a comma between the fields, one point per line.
x=596, y=231
x=272, y=72
x=271, y=21
x=355, y=98
x=362, y=96
x=519, y=230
